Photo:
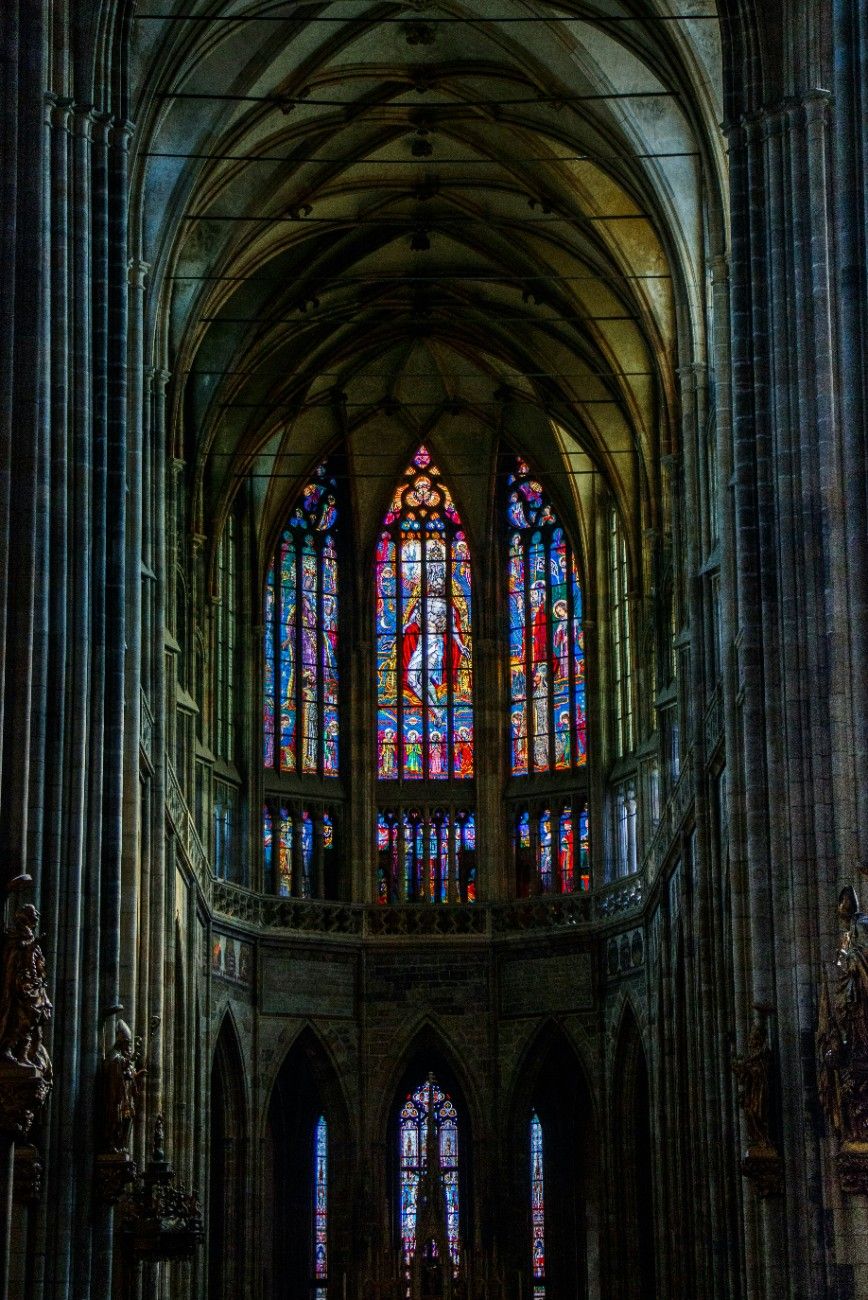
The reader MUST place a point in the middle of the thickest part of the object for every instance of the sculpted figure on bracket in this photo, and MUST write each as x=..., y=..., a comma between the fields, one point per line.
x=25, y=1011
x=842, y=1045
x=761, y=1162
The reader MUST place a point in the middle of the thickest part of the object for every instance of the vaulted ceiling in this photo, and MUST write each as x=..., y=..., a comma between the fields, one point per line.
x=379, y=222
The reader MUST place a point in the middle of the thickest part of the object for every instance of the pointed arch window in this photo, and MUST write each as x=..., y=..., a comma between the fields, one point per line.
x=413, y=1135
x=321, y=1209
x=537, y=1208
x=547, y=651
x=300, y=714
x=424, y=638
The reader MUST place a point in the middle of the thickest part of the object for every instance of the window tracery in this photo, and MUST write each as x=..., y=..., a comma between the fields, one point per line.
x=301, y=720
x=547, y=652
x=413, y=1162
x=424, y=637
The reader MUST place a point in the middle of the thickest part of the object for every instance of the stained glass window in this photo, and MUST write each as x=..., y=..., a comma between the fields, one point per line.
x=426, y=858
x=292, y=836
x=622, y=648
x=225, y=622
x=424, y=642
x=414, y=1159
x=300, y=713
x=320, y=1209
x=553, y=846
x=537, y=1208
x=547, y=653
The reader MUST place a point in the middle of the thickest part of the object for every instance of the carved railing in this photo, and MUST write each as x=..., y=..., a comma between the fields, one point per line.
x=621, y=897
x=415, y=920
x=541, y=913
x=421, y=919
x=185, y=830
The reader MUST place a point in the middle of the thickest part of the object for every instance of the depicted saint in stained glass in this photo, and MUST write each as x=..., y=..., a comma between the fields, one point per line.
x=426, y=858
x=554, y=846
x=412, y=1132
x=537, y=1208
x=300, y=709
x=424, y=639
x=547, y=657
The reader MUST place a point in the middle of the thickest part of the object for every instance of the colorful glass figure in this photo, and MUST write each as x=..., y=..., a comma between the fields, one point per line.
x=424, y=638
x=300, y=709
x=537, y=1208
x=554, y=849
x=548, y=725
x=320, y=1209
x=413, y=1162
x=426, y=858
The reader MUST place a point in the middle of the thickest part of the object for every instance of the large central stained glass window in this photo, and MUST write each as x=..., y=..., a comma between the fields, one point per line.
x=300, y=716
x=424, y=639
x=413, y=1161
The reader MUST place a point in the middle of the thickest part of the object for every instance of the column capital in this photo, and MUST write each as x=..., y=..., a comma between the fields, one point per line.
x=137, y=271
x=58, y=111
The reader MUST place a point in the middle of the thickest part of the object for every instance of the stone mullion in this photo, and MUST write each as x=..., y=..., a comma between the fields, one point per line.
x=358, y=848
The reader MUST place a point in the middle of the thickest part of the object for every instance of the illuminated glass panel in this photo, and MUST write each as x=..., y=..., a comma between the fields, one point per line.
x=414, y=1160
x=300, y=708
x=537, y=1208
x=548, y=726
x=426, y=858
x=552, y=850
x=424, y=640
x=320, y=1209
x=545, y=851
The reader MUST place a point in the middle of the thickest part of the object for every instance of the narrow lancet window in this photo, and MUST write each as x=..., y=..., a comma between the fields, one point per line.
x=321, y=1210
x=547, y=654
x=537, y=1208
x=300, y=713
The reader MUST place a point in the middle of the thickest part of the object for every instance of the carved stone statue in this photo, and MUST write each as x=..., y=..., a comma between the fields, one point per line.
x=842, y=1037
x=761, y=1162
x=122, y=1078
x=842, y=1045
x=752, y=1071
x=25, y=1008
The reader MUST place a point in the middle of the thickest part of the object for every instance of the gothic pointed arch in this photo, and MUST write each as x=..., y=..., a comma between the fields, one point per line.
x=307, y=1226
x=228, y=1150
x=552, y=1147
x=633, y=1265
x=430, y=1159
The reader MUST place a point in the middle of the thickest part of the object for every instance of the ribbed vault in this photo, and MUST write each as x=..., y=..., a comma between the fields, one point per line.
x=379, y=223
